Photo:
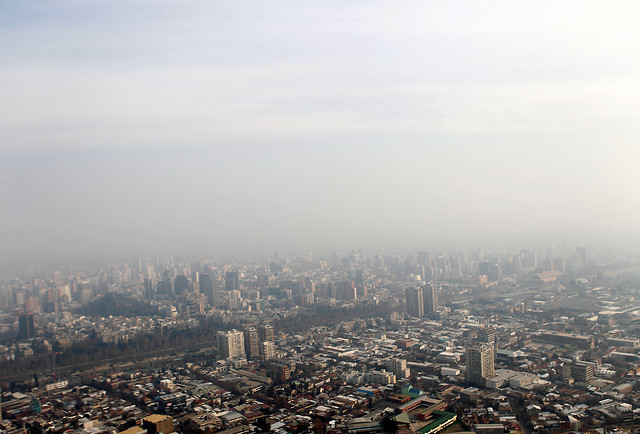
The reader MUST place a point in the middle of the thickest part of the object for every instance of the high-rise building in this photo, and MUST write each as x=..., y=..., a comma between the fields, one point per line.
x=26, y=327
x=430, y=298
x=148, y=288
x=181, y=284
x=32, y=304
x=492, y=270
x=487, y=335
x=195, y=281
x=398, y=367
x=266, y=332
x=415, y=302
x=267, y=350
x=346, y=290
x=19, y=297
x=166, y=286
x=252, y=342
x=231, y=280
x=193, y=306
x=480, y=364
x=209, y=287
x=583, y=372
x=231, y=344
x=279, y=372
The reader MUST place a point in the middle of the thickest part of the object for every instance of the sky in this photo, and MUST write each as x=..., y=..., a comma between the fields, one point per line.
x=136, y=128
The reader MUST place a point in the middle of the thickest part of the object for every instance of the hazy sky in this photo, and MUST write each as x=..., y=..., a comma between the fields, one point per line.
x=140, y=127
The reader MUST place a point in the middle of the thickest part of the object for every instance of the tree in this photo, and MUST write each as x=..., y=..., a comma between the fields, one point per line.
x=389, y=424
x=319, y=426
x=263, y=424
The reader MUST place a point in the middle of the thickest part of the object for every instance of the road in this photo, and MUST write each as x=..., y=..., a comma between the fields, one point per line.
x=521, y=413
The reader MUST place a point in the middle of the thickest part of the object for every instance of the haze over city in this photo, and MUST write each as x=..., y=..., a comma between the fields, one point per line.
x=327, y=217
x=143, y=128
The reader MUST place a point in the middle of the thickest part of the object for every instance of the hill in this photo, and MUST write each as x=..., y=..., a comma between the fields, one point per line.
x=117, y=305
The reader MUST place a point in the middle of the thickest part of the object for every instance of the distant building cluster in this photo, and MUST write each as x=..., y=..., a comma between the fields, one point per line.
x=332, y=343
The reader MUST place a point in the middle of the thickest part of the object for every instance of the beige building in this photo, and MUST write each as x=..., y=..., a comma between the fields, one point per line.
x=480, y=364
x=231, y=344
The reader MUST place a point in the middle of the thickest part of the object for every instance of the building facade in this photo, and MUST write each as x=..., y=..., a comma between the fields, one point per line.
x=209, y=287
x=231, y=344
x=251, y=342
x=415, y=302
x=480, y=364
x=430, y=298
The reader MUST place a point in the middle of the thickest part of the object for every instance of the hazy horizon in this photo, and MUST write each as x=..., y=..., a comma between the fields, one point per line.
x=157, y=128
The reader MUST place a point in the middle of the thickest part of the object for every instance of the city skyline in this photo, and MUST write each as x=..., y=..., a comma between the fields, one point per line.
x=523, y=341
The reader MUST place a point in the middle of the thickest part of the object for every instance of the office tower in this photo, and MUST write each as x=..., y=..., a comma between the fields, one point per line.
x=73, y=288
x=296, y=286
x=20, y=297
x=398, y=367
x=430, y=298
x=231, y=280
x=564, y=371
x=263, y=280
x=492, y=270
x=332, y=290
x=279, y=372
x=166, y=286
x=181, y=284
x=193, y=306
x=209, y=287
x=415, y=302
x=35, y=285
x=309, y=298
x=487, y=335
x=346, y=290
x=266, y=332
x=583, y=372
x=479, y=364
x=267, y=350
x=252, y=342
x=50, y=302
x=495, y=273
x=456, y=266
x=148, y=288
x=26, y=327
x=231, y=344
x=32, y=304
x=234, y=299
x=150, y=271
x=195, y=281
x=528, y=259
x=377, y=262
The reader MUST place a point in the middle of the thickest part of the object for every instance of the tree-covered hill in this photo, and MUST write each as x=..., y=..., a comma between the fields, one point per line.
x=117, y=305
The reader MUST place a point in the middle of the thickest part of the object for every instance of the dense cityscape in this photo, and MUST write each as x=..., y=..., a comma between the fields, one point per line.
x=529, y=341
x=319, y=217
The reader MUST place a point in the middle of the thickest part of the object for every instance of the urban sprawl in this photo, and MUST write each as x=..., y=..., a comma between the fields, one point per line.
x=334, y=342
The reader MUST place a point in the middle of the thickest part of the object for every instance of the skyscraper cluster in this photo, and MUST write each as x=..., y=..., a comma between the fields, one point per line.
x=423, y=300
x=253, y=343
